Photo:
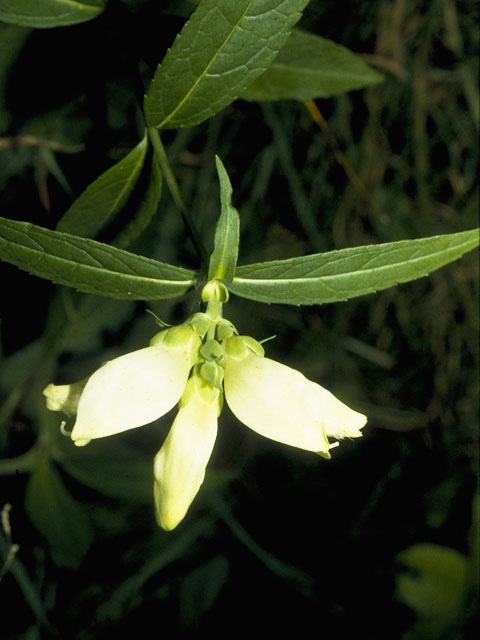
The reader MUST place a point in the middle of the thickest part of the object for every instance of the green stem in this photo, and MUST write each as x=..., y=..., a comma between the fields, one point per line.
x=164, y=164
x=28, y=588
x=21, y=464
x=286, y=571
x=214, y=309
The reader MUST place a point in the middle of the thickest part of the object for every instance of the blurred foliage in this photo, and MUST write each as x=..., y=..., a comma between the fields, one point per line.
x=279, y=540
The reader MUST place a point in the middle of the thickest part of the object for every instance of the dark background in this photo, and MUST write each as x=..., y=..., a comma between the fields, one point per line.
x=278, y=540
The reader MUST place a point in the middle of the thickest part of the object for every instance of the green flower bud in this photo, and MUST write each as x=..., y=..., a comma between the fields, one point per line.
x=215, y=290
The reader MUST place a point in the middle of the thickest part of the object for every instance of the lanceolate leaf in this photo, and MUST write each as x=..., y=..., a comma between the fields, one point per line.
x=105, y=197
x=224, y=257
x=145, y=211
x=219, y=52
x=347, y=273
x=310, y=67
x=43, y=14
x=89, y=266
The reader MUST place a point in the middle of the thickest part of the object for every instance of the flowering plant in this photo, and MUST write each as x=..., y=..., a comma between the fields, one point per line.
x=212, y=90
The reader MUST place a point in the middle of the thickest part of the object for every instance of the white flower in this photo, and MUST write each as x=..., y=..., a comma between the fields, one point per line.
x=135, y=389
x=280, y=403
x=132, y=390
x=179, y=466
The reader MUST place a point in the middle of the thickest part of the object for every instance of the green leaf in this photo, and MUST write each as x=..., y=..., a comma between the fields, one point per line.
x=112, y=468
x=17, y=368
x=167, y=549
x=219, y=52
x=200, y=589
x=146, y=210
x=89, y=266
x=58, y=516
x=30, y=590
x=309, y=67
x=44, y=14
x=435, y=589
x=106, y=196
x=224, y=257
x=347, y=273
x=78, y=323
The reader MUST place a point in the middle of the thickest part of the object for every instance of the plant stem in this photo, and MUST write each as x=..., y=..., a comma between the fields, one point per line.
x=24, y=463
x=177, y=197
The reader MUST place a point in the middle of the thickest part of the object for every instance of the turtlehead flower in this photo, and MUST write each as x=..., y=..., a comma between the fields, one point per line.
x=280, y=403
x=179, y=466
x=195, y=365
x=129, y=391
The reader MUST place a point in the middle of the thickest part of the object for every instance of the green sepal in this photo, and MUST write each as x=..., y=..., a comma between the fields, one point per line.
x=201, y=323
x=240, y=347
x=225, y=329
x=212, y=350
x=213, y=374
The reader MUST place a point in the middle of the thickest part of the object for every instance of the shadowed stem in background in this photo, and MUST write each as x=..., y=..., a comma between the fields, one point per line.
x=302, y=581
x=12, y=548
x=175, y=191
x=11, y=563
x=339, y=155
x=306, y=216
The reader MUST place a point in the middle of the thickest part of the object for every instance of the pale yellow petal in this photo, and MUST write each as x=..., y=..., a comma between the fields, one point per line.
x=179, y=467
x=339, y=420
x=131, y=391
x=64, y=397
x=276, y=401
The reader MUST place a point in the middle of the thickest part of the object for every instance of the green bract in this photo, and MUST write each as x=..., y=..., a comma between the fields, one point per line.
x=224, y=257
